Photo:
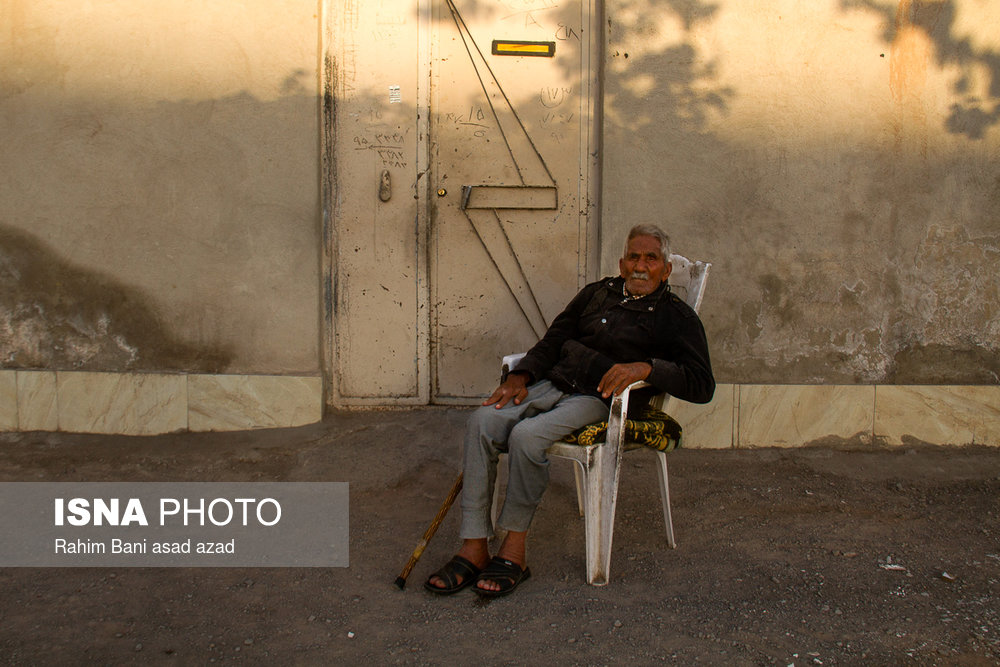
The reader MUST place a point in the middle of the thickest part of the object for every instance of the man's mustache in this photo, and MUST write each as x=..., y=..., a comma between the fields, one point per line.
x=639, y=275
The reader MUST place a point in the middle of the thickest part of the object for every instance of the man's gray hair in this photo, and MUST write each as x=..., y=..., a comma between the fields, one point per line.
x=655, y=232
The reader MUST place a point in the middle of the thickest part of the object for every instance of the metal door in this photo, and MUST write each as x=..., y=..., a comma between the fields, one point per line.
x=512, y=158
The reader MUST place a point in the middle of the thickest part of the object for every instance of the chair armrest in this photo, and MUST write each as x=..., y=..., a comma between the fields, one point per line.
x=616, y=418
x=619, y=406
x=509, y=362
x=638, y=384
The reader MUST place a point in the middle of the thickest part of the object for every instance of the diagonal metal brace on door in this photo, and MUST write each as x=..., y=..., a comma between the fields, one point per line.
x=480, y=204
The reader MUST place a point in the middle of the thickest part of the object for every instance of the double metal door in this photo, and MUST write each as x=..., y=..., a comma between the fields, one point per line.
x=463, y=209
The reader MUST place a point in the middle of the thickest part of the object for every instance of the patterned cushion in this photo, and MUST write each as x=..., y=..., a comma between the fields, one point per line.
x=653, y=428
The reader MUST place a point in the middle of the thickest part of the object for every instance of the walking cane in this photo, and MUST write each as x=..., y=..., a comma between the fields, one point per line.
x=429, y=533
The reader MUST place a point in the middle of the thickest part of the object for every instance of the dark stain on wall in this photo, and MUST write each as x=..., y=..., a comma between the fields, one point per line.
x=942, y=364
x=57, y=316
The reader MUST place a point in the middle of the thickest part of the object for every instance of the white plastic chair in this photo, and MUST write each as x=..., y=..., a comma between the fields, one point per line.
x=598, y=465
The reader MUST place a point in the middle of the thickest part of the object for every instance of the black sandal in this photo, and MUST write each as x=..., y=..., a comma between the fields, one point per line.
x=507, y=574
x=449, y=574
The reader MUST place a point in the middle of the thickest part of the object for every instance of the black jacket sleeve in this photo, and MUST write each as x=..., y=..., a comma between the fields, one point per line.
x=682, y=367
x=546, y=353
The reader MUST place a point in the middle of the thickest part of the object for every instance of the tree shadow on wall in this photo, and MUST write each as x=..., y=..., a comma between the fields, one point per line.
x=661, y=94
x=55, y=315
x=674, y=77
x=970, y=114
x=671, y=76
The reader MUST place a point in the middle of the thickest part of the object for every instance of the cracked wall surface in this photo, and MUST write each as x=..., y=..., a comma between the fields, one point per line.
x=837, y=162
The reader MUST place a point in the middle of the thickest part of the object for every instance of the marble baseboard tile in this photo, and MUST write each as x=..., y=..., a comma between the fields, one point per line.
x=37, y=404
x=124, y=403
x=238, y=402
x=938, y=415
x=797, y=415
x=738, y=416
x=708, y=426
x=8, y=401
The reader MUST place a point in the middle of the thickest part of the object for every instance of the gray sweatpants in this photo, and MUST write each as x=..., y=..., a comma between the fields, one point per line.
x=524, y=432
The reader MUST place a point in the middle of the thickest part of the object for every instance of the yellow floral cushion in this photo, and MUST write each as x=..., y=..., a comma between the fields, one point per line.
x=653, y=428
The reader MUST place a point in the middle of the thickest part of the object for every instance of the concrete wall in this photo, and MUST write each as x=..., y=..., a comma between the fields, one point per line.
x=161, y=234
x=159, y=181
x=839, y=163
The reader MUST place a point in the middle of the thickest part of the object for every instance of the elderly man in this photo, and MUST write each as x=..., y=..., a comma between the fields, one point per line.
x=613, y=333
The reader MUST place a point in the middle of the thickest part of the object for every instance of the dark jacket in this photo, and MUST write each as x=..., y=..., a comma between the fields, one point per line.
x=600, y=328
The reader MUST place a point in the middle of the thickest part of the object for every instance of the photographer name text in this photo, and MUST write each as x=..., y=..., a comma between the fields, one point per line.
x=118, y=546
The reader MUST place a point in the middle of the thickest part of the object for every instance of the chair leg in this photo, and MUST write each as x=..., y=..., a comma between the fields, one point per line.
x=597, y=570
x=580, y=484
x=665, y=497
x=601, y=492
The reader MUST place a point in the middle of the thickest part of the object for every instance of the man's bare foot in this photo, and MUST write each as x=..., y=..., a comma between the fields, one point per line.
x=475, y=551
x=514, y=548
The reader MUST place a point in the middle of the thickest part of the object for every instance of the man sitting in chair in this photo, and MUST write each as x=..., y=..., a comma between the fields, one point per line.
x=614, y=332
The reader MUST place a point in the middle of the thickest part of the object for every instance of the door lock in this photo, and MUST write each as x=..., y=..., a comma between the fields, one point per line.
x=442, y=192
x=385, y=186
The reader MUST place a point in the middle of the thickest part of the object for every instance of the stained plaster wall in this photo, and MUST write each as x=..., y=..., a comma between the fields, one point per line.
x=836, y=161
x=839, y=163
x=159, y=205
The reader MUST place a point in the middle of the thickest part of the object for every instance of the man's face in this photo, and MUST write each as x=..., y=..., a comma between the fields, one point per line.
x=643, y=267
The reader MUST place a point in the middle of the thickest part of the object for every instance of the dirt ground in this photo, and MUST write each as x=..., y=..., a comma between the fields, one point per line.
x=825, y=556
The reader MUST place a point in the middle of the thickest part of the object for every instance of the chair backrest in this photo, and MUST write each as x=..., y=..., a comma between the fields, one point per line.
x=687, y=279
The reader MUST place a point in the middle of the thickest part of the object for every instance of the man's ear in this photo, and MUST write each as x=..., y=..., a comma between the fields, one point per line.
x=666, y=272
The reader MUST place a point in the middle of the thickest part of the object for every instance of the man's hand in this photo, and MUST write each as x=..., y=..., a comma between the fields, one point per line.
x=620, y=376
x=515, y=388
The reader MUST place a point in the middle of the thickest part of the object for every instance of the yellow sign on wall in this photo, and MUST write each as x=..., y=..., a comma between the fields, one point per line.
x=514, y=47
